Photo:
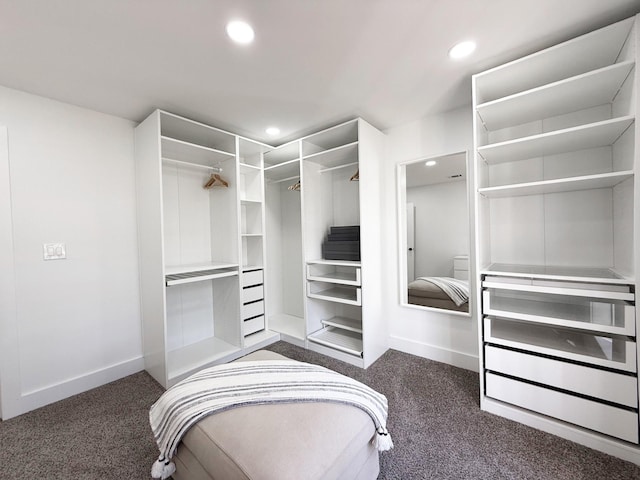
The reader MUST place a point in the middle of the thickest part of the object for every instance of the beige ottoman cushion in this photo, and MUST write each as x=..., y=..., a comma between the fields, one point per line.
x=279, y=441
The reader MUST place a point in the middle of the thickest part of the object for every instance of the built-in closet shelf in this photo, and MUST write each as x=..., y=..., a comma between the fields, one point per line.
x=586, y=182
x=249, y=168
x=616, y=318
x=346, y=295
x=558, y=288
x=251, y=234
x=198, y=267
x=592, y=135
x=329, y=139
x=555, y=272
x=590, y=89
x=179, y=275
x=283, y=171
x=337, y=272
x=350, y=324
x=612, y=352
x=339, y=278
x=188, y=359
x=343, y=340
x=338, y=263
x=249, y=201
x=335, y=157
x=289, y=325
x=263, y=336
x=282, y=154
x=589, y=52
x=180, y=128
x=192, y=153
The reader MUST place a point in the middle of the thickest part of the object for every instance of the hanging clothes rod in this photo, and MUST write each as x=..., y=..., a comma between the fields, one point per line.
x=197, y=165
x=338, y=167
x=285, y=179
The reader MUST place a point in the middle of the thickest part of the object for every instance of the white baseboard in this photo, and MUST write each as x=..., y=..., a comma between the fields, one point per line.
x=576, y=434
x=59, y=391
x=432, y=352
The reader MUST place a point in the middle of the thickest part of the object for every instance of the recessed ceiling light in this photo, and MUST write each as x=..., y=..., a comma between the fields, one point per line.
x=240, y=32
x=462, y=49
x=273, y=131
x=431, y=163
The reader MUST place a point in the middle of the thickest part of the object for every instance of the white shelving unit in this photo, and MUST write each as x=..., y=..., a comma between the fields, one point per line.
x=193, y=248
x=342, y=318
x=557, y=217
x=285, y=288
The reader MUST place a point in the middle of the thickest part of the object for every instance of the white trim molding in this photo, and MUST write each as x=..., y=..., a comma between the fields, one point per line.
x=433, y=352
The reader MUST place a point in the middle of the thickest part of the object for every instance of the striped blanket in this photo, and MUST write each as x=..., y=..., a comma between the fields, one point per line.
x=457, y=290
x=238, y=384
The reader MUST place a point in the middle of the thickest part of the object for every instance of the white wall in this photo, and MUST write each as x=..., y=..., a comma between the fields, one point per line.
x=75, y=322
x=441, y=227
x=440, y=336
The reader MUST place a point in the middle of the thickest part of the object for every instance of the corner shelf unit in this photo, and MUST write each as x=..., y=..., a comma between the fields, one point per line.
x=557, y=217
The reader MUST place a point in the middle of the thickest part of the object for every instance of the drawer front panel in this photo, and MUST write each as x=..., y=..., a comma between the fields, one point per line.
x=252, y=278
x=584, y=313
x=252, y=310
x=613, y=387
x=254, y=325
x=618, y=353
x=252, y=294
x=602, y=418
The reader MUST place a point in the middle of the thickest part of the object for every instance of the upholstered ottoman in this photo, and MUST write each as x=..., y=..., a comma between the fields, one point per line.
x=304, y=441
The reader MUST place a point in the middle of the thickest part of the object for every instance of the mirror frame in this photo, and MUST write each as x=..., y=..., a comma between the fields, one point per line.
x=401, y=183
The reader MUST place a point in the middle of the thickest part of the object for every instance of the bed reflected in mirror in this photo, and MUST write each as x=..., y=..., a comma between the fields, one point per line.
x=433, y=233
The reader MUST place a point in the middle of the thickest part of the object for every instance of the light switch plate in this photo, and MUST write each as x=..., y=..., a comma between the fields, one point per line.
x=54, y=251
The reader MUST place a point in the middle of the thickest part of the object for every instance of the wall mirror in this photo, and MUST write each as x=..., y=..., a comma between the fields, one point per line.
x=433, y=233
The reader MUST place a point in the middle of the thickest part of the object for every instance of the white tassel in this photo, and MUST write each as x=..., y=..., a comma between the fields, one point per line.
x=383, y=440
x=162, y=468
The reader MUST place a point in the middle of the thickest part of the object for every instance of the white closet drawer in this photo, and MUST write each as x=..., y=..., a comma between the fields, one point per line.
x=617, y=422
x=607, y=316
x=618, y=353
x=556, y=287
x=251, y=294
x=610, y=386
x=252, y=310
x=254, y=325
x=252, y=278
x=461, y=262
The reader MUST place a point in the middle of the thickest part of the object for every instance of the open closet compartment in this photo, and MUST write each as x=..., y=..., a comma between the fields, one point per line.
x=339, y=297
x=557, y=220
x=188, y=181
x=255, y=328
x=284, y=272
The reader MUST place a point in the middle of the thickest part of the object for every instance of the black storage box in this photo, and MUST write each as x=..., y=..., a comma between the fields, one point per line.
x=343, y=243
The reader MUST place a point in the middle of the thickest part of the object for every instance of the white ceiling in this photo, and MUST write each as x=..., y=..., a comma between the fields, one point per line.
x=448, y=168
x=313, y=62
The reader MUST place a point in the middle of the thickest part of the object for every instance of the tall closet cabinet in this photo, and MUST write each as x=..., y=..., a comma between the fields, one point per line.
x=557, y=211
x=327, y=179
x=200, y=250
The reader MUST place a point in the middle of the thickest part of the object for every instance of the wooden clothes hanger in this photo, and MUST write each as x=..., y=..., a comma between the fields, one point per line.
x=216, y=181
x=355, y=177
x=295, y=186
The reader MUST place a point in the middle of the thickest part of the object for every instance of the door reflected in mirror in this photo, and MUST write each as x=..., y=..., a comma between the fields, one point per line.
x=434, y=233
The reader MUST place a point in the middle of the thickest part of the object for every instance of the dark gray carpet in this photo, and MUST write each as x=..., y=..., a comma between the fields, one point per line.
x=437, y=427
